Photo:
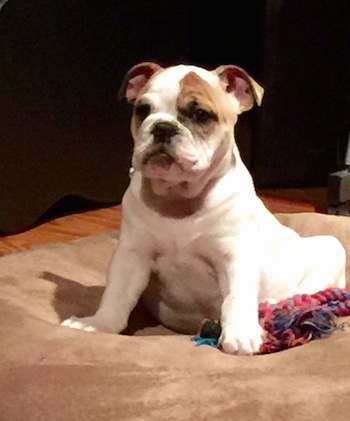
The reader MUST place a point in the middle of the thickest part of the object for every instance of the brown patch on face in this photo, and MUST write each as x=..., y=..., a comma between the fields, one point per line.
x=200, y=106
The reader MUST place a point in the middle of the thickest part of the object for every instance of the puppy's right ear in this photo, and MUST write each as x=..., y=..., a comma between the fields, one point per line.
x=136, y=78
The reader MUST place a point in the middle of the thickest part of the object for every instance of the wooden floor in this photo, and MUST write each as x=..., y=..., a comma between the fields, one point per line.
x=107, y=219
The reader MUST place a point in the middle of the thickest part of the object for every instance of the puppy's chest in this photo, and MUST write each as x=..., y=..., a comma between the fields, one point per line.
x=185, y=260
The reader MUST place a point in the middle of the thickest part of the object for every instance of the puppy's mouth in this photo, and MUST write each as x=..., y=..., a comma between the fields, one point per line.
x=159, y=158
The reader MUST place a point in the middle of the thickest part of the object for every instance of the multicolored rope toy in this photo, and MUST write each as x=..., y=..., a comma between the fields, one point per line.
x=291, y=322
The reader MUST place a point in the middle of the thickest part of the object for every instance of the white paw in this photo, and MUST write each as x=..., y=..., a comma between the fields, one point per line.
x=242, y=341
x=88, y=324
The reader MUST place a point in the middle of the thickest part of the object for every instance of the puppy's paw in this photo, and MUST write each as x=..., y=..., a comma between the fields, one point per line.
x=88, y=324
x=242, y=341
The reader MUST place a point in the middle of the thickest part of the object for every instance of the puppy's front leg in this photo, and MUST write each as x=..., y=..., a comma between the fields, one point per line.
x=127, y=278
x=239, y=283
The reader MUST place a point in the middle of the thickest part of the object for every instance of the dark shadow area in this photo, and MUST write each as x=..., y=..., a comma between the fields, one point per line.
x=72, y=298
x=69, y=205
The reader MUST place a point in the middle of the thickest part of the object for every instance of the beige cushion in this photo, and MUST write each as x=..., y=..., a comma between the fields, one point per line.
x=53, y=373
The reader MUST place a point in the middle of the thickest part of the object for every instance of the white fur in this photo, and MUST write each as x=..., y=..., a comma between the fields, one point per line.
x=218, y=262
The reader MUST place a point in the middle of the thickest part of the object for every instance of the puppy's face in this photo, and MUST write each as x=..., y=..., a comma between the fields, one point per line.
x=184, y=116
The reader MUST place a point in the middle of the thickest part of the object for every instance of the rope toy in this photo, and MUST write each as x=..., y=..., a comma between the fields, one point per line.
x=291, y=322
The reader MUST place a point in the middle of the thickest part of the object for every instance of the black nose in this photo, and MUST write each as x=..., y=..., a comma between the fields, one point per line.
x=163, y=132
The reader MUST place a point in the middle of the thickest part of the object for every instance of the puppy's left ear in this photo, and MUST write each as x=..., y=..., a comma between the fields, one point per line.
x=242, y=86
x=136, y=78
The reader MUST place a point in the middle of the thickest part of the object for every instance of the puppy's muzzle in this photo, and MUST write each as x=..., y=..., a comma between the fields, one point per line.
x=163, y=132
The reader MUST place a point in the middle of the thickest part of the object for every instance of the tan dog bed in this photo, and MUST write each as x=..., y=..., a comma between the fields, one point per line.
x=53, y=373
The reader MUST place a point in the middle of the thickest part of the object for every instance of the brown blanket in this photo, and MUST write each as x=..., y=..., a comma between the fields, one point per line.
x=48, y=372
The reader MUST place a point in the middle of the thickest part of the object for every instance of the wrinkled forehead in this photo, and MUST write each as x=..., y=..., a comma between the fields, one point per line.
x=174, y=84
x=171, y=78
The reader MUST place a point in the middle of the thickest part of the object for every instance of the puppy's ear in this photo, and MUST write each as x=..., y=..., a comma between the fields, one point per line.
x=244, y=88
x=136, y=78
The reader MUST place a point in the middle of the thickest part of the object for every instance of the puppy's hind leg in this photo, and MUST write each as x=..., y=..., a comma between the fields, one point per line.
x=326, y=262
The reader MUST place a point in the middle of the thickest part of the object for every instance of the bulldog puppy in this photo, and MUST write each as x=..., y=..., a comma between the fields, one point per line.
x=196, y=242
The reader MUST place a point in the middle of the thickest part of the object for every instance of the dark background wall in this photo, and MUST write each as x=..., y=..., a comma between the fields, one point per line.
x=63, y=133
x=306, y=114
x=299, y=51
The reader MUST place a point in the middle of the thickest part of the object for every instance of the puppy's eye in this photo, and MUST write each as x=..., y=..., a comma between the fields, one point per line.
x=200, y=115
x=142, y=110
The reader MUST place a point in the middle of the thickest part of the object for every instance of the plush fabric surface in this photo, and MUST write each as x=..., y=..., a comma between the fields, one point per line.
x=48, y=372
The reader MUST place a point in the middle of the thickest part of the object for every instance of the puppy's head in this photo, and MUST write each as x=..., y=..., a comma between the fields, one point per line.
x=183, y=117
